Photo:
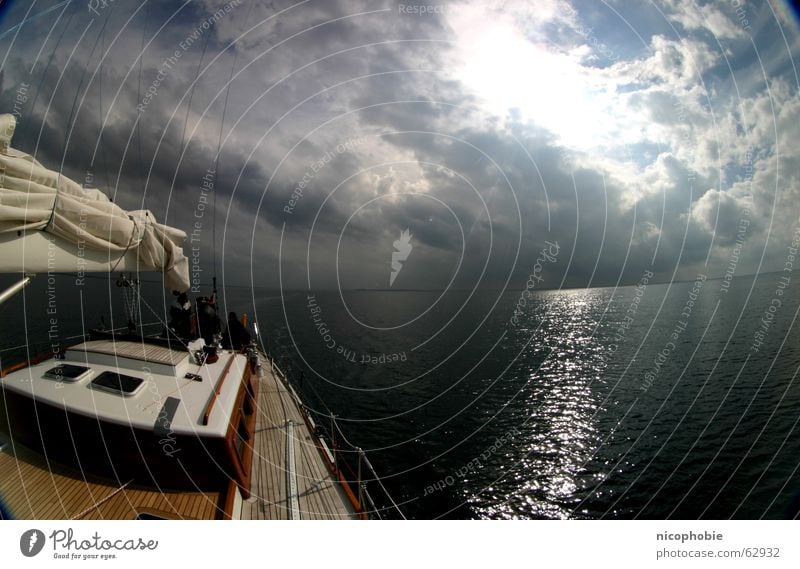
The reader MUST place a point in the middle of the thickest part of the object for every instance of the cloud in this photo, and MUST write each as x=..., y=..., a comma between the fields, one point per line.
x=710, y=17
x=508, y=124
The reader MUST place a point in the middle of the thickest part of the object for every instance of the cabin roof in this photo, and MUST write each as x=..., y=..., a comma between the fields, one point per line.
x=141, y=351
x=191, y=384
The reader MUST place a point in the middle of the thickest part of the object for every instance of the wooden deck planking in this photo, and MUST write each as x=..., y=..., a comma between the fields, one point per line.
x=329, y=492
x=269, y=469
x=275, y=457
x=127, y=503
x=319, y=496
x=315, y=485
x=319, y=490
x=135, y=350
x=271, y=462
x=32, y=488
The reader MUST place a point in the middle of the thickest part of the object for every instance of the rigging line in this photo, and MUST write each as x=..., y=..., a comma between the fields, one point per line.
x=14, y=348
x=49, y=61
x=219, y=148
x=103, y=156
x=139, y=89
x=191, y=92
x=160, y=321
x=385, y=491
x=72, y=114
x=139, y=237
x=140, y=118
x=67, y=134
x=34, y=17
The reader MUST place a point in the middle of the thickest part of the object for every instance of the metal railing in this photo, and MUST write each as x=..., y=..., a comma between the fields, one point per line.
x=347, y=461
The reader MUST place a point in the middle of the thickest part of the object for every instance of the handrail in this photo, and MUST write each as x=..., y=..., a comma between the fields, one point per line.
x=363, y=464
x=217, y=389
x=364, y=457
x=360, y=475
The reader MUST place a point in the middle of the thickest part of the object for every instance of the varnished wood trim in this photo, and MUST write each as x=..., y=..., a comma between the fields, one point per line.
x=217, y=389
x=230, y=500
x=37, y=359
x=242, y=465
x=351, y=496
x=251, y=394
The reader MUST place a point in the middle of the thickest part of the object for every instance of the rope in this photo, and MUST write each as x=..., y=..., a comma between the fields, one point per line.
x=101, y=502
x=130, y=291
x=128, y=246
x=55, y=203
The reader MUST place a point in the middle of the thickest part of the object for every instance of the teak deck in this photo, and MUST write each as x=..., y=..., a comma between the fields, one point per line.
x=32, y=488
x=318, y=495
x=135, y=350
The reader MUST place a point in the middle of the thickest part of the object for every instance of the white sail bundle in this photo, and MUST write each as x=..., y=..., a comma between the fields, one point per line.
x=84, y=230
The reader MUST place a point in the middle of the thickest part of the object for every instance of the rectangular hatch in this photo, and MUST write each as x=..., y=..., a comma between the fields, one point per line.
x=67, y=372
x=117, y=383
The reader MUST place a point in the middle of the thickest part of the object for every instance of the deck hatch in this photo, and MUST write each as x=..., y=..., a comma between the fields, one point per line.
x=67, y=372
x=117, y=383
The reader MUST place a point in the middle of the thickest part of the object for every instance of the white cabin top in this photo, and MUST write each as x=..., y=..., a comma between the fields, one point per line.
x=164, y=373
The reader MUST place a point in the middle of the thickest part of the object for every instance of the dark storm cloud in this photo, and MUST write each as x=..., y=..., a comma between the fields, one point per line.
x=334, y=104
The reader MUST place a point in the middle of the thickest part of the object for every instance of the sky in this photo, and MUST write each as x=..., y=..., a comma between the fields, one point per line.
x=583, y=143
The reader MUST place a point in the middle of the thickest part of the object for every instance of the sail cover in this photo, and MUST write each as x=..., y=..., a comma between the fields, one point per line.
x=33, y=199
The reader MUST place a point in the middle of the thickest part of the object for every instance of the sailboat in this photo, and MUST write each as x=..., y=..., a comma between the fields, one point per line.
x=129, y=426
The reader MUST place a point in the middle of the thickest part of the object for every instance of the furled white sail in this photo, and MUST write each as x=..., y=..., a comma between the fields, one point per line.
x=92, y=233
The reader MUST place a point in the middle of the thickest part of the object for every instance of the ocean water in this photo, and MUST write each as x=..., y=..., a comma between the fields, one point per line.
x=653, y=401
x=636, y=402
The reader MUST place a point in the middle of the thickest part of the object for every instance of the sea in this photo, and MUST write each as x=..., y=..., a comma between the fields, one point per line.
x=650, y=401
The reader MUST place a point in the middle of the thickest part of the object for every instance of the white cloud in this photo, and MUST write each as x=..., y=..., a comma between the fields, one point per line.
x=678, y=63
x=695, y=16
